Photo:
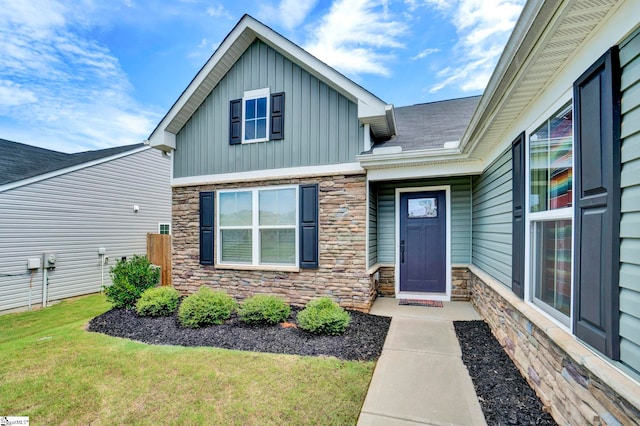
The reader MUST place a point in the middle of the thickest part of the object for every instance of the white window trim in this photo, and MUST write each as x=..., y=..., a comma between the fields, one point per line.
x=446, y=297
x=160, y=226
x=548, y=215
x=255, y=229
x=256, y=94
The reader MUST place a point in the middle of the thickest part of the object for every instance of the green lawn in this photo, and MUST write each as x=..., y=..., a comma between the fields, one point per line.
x=55, y=372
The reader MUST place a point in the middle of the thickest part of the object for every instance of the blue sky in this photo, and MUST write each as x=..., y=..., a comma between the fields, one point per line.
x=77, y=75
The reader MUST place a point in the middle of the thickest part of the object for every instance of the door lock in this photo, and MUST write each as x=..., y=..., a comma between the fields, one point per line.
x=402, y=251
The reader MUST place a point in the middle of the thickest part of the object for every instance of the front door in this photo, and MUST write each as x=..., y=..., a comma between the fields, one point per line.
x=423, y=242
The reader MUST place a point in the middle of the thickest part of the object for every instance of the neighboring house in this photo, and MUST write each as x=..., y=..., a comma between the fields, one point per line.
x=88, y=210
x=290, y=179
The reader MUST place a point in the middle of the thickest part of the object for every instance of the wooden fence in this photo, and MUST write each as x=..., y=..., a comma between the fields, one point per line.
x=159, y=253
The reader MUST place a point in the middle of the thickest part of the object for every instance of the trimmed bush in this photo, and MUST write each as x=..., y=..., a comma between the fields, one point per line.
x=263, y=309
x=323, y=316
x=205, y=307
x=158, y=301
x=130, y=278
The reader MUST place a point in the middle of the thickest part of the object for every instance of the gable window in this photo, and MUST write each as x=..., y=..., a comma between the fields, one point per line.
x=550, y=215
x=257, y=117
x=255, y=108
x=258, y=226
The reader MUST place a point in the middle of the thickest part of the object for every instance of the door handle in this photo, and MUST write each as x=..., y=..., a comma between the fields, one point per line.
x=402, y=251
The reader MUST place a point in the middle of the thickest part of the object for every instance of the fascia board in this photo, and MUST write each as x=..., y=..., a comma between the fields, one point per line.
x=525, y=36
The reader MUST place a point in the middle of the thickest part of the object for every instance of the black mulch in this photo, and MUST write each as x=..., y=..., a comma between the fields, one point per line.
x=504, y=395
x=363, y=339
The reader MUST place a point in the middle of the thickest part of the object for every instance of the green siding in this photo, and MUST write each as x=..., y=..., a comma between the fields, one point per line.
x=373, y=224
x=492, y=217
x=460, y=217
x=321, y=126
x=630, y=221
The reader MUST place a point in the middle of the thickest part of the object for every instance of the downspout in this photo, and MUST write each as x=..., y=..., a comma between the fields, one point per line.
x=44, y=281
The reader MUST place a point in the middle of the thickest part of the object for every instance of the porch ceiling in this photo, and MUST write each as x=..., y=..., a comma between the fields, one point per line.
x=537, y=51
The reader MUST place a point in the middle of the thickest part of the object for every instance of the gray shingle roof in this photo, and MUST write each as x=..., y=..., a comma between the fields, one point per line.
x=19, y=161
x=430, y=125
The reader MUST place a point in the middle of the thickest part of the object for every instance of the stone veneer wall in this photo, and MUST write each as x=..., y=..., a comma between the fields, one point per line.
x=460, y=290
x=387, y=281
x=342, y=272
x=575, y=385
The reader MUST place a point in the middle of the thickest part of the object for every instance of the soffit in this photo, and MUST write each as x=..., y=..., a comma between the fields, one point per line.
x=561, y=37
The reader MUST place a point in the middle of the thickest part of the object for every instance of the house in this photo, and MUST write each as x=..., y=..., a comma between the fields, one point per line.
x=65, y=219
x=290, y=179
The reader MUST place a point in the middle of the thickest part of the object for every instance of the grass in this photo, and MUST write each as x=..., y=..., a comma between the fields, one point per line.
x=55, y=372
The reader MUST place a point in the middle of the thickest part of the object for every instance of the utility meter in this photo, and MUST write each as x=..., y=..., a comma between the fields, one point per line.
x=50, y=260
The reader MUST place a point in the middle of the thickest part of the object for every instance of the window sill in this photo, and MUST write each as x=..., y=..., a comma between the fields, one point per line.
x=269, y=268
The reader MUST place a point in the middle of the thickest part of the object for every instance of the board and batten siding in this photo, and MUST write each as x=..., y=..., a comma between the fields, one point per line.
x=460, y=217
x=74, y=214
x=320, y=125
x=492, y=216
x=630, y=221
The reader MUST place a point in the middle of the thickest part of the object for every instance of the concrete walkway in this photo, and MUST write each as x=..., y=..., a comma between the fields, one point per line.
x=420, y=377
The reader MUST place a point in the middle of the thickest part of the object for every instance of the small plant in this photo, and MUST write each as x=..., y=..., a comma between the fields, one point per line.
x=206, y=307
x=158, y=301
x=323, y=316
x=130, y=278
x=263, y=309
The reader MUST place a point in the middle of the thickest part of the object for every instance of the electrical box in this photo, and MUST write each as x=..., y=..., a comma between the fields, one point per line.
x=102, y=250
x=50, y=260
x=34, y=263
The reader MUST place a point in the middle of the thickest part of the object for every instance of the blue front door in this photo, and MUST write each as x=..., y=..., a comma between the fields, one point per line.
x=423, y=242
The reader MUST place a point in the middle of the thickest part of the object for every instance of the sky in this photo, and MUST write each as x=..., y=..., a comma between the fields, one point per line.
x=78, y=75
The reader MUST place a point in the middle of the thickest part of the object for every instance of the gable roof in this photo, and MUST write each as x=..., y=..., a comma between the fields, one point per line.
x=371, y=109
x=19, y=161
x=431, y=125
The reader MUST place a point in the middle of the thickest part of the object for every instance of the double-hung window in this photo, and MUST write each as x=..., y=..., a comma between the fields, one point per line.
x=550, y=215
x=258, y=226
x=255, y=110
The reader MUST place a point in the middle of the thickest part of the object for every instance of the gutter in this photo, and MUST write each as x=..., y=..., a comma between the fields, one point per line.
x=388, y=157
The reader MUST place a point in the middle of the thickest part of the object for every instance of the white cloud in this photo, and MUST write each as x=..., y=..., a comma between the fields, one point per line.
x=218, y=11
x=357, y=37
x=483, y=28
x=69, y=87
x=425, y=53
x=12, y=94
x=288, y=13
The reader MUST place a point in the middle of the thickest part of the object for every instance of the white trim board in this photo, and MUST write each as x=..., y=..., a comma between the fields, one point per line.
x=284, y=173
x=446, y=297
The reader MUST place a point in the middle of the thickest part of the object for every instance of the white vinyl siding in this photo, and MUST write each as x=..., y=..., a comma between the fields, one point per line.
x=75, y=214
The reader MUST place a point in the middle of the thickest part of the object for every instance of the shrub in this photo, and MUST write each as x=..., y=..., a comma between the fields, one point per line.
x=263, y=309
x=323, y=316
x=130, y=278
x=205, y=307
x=158, y=301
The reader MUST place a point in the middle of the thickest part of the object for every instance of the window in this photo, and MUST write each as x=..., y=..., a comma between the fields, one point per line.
x=257, y=117
x=164, y=228
x=258, y=226
x=550, y=216
x=255, y=110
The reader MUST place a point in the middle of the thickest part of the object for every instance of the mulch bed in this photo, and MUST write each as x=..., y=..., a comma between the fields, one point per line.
x=504, y=395
x=363, y=339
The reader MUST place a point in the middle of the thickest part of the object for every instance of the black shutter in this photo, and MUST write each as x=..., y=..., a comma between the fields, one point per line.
x=597, y=211
x=518, y=228
x=277, y=116
x=309, y=226
x=235, y=122
x=206, y=227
